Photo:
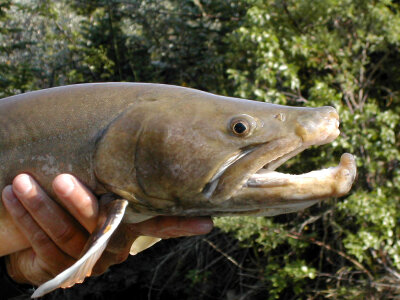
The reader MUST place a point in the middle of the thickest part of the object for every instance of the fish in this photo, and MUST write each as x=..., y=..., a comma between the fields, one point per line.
x=151, y=150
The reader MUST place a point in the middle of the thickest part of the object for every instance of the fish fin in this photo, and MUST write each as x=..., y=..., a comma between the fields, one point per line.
x=110, y=216
x=142, y=243
x=132, y=217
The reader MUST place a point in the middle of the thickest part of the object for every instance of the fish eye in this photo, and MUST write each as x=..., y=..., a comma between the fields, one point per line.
x=240, y=127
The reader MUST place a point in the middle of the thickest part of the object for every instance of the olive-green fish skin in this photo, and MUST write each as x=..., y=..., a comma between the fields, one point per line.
x=168, y=150
x=53, y=131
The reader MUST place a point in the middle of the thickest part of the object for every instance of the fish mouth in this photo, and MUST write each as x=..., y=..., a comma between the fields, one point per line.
x=247, y=182
x=239, y=168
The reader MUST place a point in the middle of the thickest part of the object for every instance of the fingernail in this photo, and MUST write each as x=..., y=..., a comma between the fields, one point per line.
x=64, y=185
x=22, y=185
x=8, y=195
x=205, y=227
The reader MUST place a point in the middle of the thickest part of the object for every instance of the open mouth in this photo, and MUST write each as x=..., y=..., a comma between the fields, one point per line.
x=240, y=167
x=247, y=182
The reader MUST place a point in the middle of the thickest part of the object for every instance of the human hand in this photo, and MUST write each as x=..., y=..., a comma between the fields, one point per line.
x=58, y=237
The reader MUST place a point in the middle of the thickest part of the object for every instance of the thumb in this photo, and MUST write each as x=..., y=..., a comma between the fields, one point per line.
x=23, y=267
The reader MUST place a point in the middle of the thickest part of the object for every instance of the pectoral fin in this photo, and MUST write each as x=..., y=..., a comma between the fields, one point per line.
x=110, y=216
x=142, y=243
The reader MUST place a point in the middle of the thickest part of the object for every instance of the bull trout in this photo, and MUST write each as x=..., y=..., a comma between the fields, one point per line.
x=163, y=151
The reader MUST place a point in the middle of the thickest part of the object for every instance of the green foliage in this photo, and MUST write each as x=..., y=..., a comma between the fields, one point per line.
x=308, y=53
x=34, y=50
x=338, y=53
x=177, y=42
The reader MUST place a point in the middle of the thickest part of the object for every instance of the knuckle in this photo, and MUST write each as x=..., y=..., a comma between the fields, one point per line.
x=37, y=202
x=21, y=214
x=40, y=238
x=64, y=236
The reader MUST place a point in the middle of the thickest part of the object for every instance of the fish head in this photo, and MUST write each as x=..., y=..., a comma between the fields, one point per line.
x=180, y=151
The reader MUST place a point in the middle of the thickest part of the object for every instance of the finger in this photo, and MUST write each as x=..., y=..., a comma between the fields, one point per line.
x=168, y=227
x=64, y=231
x=117, y=249
x=120, y=244
x=108, y=259
x=121, y=241
x=25, y=267
x=79, y=201
x=46, y=253
x=20, y=268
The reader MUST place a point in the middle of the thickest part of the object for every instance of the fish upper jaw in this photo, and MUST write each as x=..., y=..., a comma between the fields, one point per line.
x=320, y=126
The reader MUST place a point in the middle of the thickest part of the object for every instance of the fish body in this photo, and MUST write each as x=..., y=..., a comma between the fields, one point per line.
x=167, y=150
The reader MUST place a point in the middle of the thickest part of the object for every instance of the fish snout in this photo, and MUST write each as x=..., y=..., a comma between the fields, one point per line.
x=318, y=125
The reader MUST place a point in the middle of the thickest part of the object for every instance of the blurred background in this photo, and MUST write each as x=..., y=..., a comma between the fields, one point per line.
x=297, y=52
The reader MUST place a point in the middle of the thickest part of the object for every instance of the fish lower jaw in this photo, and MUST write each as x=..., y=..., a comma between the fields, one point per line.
x=330, y=182
x=270, y=193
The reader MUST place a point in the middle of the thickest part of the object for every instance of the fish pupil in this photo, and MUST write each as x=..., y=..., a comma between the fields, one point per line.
x=239, y=128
